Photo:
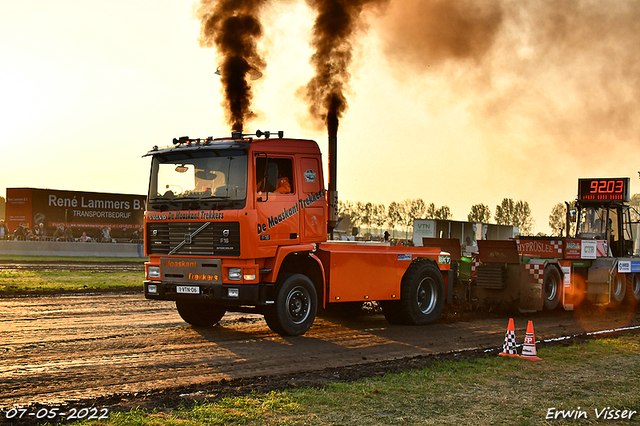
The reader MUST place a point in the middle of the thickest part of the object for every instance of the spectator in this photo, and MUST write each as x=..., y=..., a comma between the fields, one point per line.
x=39, y=232
x=58, y=235
x=106, y=234
x=20, y=232
x=84, y=238
x=4, y=231
x=68, y=234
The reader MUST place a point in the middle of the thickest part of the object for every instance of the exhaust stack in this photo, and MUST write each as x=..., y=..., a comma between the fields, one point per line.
x=332, y=127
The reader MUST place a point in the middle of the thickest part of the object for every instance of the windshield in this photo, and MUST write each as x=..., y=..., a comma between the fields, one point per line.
x=592, y=223
x=198, y=180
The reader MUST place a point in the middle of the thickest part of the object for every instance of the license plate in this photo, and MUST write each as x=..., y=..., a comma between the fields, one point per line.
x=188, y=289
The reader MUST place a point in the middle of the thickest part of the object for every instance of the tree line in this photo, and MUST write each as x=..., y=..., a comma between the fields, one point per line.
x=400, y=215
x=396, y=215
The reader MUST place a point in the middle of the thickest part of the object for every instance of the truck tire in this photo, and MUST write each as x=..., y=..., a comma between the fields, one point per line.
x=199, y=314
x=633, y=289
x=618, y=289
x=421, y=296
x=552, y=287
x=295, y=306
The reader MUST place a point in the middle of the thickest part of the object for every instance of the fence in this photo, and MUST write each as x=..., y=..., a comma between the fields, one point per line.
x=131, y=248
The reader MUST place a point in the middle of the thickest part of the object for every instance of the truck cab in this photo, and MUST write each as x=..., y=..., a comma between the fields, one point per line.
x=223, y=214
x=610, y=223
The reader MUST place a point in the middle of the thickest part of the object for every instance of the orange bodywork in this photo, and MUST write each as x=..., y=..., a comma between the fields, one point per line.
x=361, y=272
x=234, y=254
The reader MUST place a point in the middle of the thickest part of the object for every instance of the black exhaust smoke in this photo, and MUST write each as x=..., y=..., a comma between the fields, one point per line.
x=233, y=27
x=335, y=25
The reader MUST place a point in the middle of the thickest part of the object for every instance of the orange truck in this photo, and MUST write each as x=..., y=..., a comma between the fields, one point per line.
x=239, y=224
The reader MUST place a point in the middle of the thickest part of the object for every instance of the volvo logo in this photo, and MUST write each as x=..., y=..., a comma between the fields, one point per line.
x=154, y=232
x=225, y=233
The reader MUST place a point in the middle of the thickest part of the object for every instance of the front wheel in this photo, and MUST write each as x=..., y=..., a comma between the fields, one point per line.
x=421, y=296
x=295, y=306
x=199, y=314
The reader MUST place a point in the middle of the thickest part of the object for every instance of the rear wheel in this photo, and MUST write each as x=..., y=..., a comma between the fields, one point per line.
x=552, y=287
x=295, y=306
x=633, y=289
x=421, y=296
x=199, y=314
x=618, y=289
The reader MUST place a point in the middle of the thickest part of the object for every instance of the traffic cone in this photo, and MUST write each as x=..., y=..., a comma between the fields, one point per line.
x=529, y=347
x=509, y=347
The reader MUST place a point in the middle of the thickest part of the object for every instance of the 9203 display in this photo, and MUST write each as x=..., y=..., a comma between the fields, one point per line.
x=608, y=189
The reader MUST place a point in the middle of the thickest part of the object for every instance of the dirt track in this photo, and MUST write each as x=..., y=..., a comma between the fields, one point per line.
x=61, y=348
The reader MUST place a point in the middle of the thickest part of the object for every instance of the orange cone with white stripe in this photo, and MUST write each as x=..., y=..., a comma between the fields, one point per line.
x=509, y=347
x=529, y=347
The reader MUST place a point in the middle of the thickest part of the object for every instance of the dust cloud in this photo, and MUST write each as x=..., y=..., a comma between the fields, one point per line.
x=553, y=78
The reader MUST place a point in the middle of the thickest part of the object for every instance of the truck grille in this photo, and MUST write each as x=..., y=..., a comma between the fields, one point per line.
x=181, y=238
x=490, y=275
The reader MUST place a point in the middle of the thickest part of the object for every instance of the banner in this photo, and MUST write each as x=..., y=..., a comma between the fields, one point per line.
x=77, y=209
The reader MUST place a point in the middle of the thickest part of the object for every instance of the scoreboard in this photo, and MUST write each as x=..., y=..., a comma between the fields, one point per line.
x=604, y=189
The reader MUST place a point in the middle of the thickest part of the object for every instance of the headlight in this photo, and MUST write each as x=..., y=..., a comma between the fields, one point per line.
x=153, y=272
x=152, y=289
x=235, y=274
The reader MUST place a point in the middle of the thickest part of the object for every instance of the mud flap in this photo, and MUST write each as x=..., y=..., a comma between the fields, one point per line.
x=567, y=289
x=450, y=281
x=531, y=287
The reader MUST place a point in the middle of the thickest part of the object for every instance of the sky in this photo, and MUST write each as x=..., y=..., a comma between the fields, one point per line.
x=455, y=102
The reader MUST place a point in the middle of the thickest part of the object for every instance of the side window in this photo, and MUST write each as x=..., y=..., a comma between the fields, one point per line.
x=274, y=175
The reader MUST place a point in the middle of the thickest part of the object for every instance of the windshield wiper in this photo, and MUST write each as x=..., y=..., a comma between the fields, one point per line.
x=216, y=197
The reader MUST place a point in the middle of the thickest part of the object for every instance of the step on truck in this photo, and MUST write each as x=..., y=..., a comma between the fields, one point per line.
x=239, y=224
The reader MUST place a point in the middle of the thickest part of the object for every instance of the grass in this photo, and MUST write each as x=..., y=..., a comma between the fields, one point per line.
x=28, y=258
x=487, y=391
x=23, y=281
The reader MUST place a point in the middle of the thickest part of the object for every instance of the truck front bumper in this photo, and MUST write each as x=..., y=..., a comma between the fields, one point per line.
x=223, y=294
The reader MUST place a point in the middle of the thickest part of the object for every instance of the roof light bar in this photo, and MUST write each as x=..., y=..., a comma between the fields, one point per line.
x=259, y=133
x=185, y=140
